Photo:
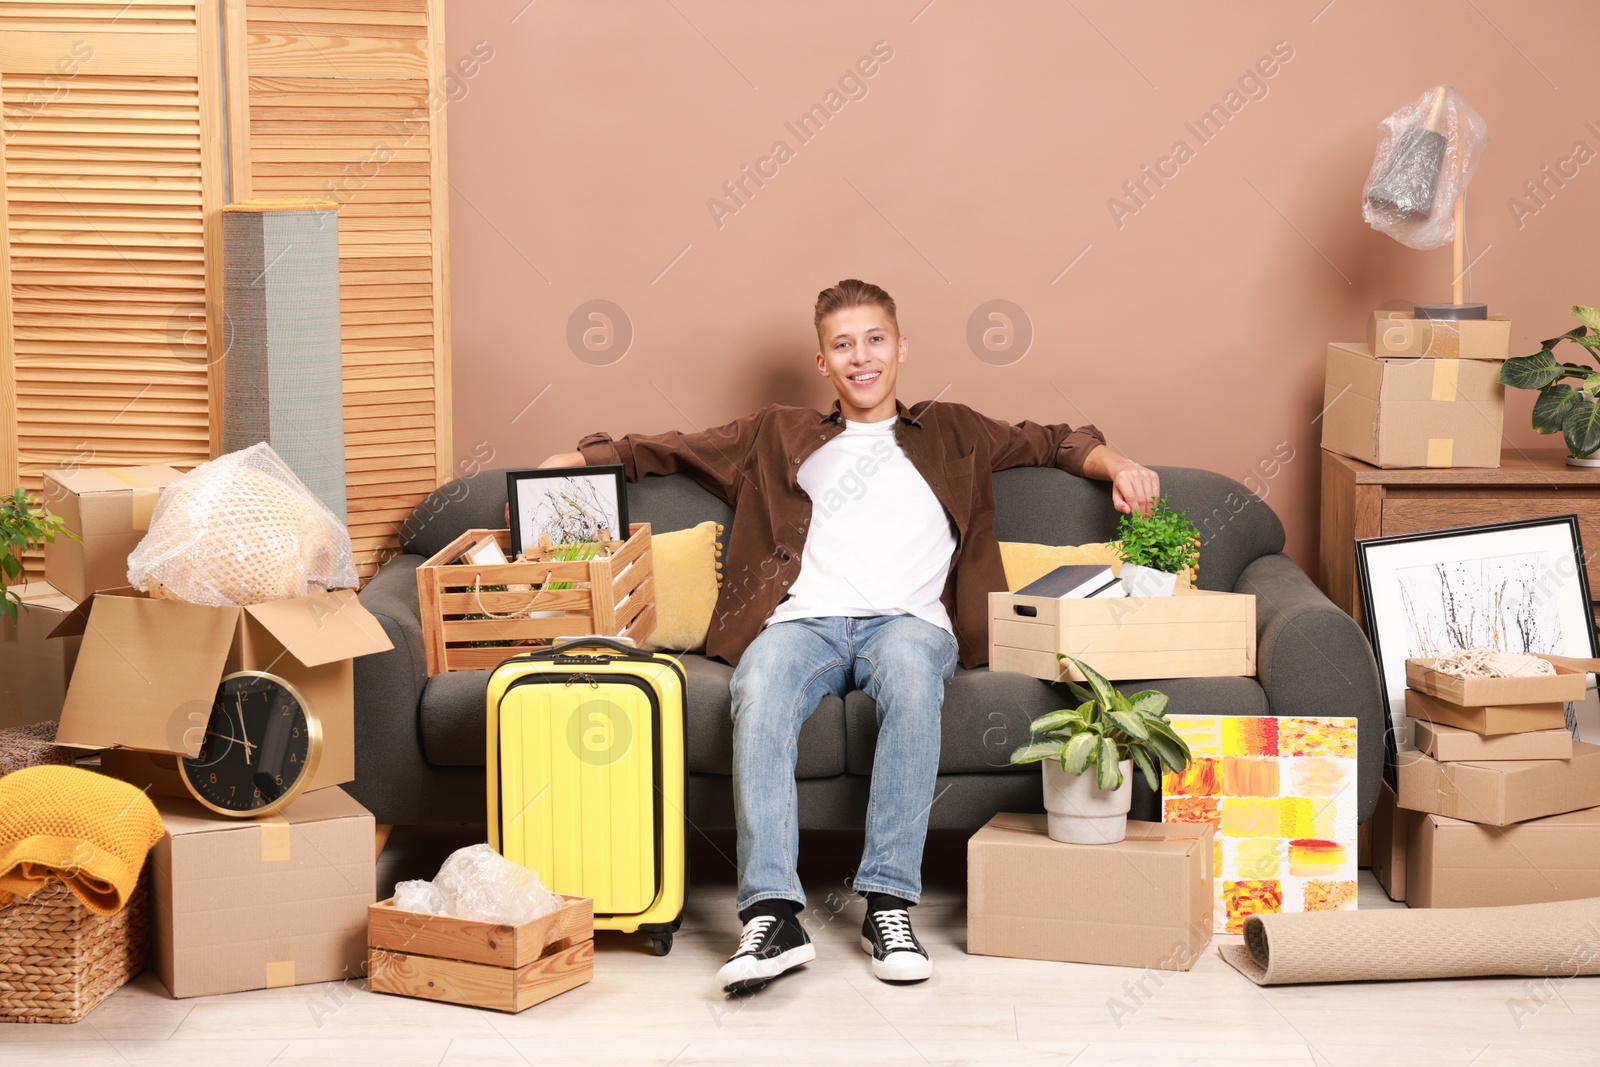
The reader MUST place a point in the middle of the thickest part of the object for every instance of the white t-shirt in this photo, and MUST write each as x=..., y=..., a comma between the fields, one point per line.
x=880, y=542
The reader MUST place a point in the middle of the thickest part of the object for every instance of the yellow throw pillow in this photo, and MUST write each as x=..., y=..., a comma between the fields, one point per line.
x=1026, y=562
x=687, y=576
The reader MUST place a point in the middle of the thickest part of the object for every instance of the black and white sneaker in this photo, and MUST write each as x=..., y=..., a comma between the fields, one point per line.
x=897, y=955
x=768, y=947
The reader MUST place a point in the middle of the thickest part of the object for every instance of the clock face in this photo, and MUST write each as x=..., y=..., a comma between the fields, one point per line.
x=261, y=746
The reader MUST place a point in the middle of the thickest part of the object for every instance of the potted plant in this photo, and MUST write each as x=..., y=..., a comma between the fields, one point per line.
x=1157, y=549
x=23, y=526
x=1111, y=733
x=1562, y=408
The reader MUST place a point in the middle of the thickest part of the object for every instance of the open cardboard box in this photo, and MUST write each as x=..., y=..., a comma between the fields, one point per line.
x=148, y=670
x=1565, y=685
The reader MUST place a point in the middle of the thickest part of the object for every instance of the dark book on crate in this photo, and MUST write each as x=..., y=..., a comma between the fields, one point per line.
x=1075, y=581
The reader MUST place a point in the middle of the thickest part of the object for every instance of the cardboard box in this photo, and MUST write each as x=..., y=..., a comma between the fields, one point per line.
x=1400, y=334
x=1391, y=831
x=1143, y=902
x=1456, y=864
x=34, y=670
x=1192, y=634
x=109, y=510
x=485, y=965
x=1486, y=719
x=1504, y=792
x=1447, y=744
x=147, y=673
x=1565, y=685
x=242, y=904
x=1412, y=413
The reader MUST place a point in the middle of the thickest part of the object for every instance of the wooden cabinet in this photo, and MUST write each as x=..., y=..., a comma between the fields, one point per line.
x=1359, y=501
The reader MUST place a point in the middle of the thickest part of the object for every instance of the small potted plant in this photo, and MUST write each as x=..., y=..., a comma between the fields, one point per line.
x=1571, y=411
x=1112, y=734
x=23, y=526
x=1157, y=549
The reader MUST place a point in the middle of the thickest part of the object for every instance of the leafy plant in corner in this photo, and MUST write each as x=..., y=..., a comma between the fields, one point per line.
x=23, y=526
x=1561, y=408
x=1165, y=541
x=1106, y=729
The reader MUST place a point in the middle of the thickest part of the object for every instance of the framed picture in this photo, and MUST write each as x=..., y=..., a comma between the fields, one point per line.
x=1514, y=586
x=571, y=504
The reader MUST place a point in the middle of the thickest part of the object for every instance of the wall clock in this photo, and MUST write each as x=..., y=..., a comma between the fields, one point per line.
x=262, y=745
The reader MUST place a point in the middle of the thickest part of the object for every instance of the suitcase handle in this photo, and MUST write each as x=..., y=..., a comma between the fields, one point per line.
x=623, y=646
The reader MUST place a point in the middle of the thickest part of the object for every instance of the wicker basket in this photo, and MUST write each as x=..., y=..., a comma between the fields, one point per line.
x=58, y=959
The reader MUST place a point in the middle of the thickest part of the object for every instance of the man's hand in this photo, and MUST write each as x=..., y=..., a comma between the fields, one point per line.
x=1134, y=487
x=565, y=459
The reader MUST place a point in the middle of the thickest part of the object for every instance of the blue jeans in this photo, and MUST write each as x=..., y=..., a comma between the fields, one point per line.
x=902, y=663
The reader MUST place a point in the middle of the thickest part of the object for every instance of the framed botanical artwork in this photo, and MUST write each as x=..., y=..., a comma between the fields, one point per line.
x=1513, y=586
x=571, y=504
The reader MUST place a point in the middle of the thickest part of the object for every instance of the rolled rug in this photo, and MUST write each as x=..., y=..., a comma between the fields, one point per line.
x=1402, y=944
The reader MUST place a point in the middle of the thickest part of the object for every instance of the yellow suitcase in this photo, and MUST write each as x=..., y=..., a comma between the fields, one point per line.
x=586, y=776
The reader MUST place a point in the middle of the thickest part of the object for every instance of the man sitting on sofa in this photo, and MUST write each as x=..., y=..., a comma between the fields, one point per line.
x=861, y=556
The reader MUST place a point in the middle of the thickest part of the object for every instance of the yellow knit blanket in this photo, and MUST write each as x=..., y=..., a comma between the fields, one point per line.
x=90, y=831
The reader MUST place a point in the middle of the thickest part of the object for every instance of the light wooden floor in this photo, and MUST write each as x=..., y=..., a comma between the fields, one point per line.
x=641, y=1009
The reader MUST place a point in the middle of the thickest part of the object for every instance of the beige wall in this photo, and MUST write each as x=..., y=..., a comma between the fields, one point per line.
x=978, y=166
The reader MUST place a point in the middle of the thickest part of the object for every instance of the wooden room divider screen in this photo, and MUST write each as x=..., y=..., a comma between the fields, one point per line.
x=112, y=170
x=126, y=127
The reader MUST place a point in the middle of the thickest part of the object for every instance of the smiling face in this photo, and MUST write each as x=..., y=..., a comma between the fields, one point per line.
x=861, y=354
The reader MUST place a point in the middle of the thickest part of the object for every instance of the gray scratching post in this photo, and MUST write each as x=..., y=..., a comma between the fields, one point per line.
x=283, y=380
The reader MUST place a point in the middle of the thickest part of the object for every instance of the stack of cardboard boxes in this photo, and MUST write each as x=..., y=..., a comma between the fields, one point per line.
x=1499, y=805
x=1418, y=393
x=237, y=903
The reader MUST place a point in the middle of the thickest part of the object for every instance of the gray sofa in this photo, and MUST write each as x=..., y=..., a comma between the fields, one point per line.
x=420, y=741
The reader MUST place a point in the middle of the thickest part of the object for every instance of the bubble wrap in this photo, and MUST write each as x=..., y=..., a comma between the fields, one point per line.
x=241, y=529
x=1427, y=153
x=478, y=883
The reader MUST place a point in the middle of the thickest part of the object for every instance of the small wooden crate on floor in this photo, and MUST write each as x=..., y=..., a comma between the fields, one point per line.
x=484, y=965
x=58, y=959
x=1193, y=634
x=466, y=627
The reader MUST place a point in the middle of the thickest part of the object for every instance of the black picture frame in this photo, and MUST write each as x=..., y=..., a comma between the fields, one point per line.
x=530, y=493
x=1379, y=604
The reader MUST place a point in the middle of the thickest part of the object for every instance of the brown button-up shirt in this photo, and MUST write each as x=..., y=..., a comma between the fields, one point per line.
x=753, y=464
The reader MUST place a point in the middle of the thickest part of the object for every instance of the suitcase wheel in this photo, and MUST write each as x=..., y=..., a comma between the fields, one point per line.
x=661, y=942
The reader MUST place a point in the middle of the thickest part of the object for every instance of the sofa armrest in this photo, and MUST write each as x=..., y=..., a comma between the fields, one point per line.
x=1312, y=659
x=388, y=693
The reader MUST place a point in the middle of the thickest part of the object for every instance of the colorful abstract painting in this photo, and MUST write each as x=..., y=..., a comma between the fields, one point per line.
x=1280, y=793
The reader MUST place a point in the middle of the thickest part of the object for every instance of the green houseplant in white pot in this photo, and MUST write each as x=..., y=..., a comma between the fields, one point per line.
x=1571, y=411
x=1157, y=549
x=1110, y=734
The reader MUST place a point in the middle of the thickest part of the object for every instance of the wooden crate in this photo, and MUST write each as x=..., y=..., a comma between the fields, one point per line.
x=613, y=595
x=484, y=965
x=1193, y=634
